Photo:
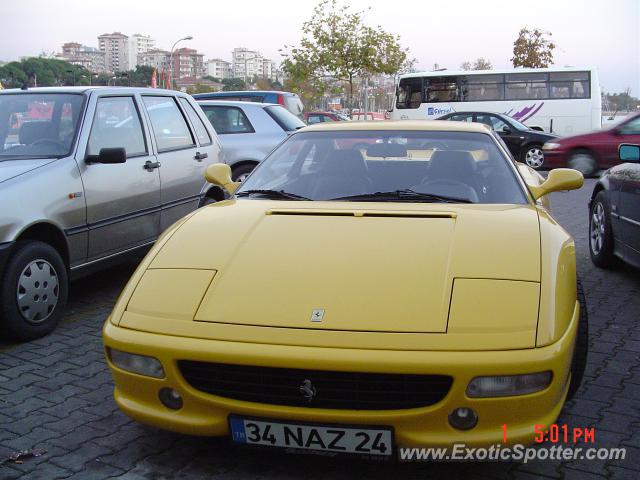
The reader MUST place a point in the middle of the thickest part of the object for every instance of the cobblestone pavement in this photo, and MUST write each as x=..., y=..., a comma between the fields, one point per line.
x=55, y=394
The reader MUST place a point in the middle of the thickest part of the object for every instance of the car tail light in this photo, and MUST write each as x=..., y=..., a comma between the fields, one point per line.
x=280, y=99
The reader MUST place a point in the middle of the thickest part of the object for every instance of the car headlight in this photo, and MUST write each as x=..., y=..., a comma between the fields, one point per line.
x=508, y=385
x=551, y=146
x=140, y=364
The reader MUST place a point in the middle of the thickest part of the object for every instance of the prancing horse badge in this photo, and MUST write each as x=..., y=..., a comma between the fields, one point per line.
x=317, y=315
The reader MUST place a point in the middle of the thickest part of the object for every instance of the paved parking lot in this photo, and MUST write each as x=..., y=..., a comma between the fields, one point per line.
x=55, y=395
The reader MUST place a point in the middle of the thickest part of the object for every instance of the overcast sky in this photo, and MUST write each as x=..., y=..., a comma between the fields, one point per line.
x=602, y=33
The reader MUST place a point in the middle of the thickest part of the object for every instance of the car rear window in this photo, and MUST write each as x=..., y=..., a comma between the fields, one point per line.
x=283, y=117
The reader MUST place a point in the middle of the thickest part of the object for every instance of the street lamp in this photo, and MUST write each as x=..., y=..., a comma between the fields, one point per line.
x=171, y=59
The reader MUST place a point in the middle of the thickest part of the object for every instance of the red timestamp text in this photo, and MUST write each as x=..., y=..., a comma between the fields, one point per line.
x=558, y=433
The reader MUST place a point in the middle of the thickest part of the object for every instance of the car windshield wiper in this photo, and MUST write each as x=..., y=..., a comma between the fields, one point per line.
x=406, y=195
x=273, y=194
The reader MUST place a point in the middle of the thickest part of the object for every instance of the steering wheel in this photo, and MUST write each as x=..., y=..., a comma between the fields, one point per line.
x=50, y=141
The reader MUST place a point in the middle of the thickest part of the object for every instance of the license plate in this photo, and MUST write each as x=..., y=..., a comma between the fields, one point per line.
x=360, y=440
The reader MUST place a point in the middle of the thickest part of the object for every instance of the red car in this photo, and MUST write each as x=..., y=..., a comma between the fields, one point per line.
x=593, y=151
x=317, y=117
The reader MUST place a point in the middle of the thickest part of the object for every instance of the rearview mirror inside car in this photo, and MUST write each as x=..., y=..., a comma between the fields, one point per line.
x=220, y=174
x=108, y=155
x=629, y=153
x=558, y=179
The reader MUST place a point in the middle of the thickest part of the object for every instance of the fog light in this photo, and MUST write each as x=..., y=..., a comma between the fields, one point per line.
x=140, y=364
x=170, y=398
x=463, y=418
x=508, y=385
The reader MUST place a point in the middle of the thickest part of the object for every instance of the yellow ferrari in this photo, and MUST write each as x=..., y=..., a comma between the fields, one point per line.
x=369, y=286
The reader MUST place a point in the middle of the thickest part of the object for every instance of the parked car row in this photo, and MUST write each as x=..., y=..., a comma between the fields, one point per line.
x=485, y=336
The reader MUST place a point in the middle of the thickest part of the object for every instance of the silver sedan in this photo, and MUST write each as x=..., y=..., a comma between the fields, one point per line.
x=248, y=131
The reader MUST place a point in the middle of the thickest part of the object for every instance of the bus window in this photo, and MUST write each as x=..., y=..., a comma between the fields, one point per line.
x=478, y=88
x=443, y=89
x=569, y=85
x=409, y=93
x=527, y=86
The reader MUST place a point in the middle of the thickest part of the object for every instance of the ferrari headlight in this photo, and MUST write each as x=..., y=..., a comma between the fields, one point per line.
x=551, y=146
x=140, y=364
x=508, y=385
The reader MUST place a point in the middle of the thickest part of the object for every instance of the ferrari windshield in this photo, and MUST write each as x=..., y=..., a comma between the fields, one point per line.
x=37, y=124
x=387, y=166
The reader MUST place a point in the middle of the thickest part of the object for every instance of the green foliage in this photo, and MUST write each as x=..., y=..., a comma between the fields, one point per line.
x=622, y=102
x=480, y=64
x=41, y=72
x=48, y=72
x=201, y=88
x=533, y=49
x=213, y=79
x=336, y=43
x=231, y=84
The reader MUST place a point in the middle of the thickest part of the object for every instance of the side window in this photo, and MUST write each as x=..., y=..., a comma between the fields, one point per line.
x=314, y=119
x=632, y=127
x=201, y=130
x=169, y=126
x=409, y=93
x=227, y=120
x=116, y=124
x=460, y=117
x=442, y=89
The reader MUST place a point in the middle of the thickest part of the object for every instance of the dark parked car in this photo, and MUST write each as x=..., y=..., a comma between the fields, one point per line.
x=525, y=143
x=593, y=151
x=288, y=100
x=614, y=220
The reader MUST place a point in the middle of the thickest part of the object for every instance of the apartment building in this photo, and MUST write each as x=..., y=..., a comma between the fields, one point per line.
x=156, y=58
x=218, y=68
x=247, y=63
x=88, y=57
x=187, y=62
x=116, y=49
x=138, y=44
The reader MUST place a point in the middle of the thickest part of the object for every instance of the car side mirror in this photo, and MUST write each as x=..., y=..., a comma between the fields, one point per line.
x=220, y=174
x=536, y=128
x=629, y=153
x=558, y=179
x=506, y=129
x=108, y=155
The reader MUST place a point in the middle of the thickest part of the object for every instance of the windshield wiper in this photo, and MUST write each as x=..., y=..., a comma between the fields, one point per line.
x=273, y=194
x=406, y=195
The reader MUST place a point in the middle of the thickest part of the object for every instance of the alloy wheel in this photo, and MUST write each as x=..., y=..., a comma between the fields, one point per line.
x=597, y=228
x=534, y=157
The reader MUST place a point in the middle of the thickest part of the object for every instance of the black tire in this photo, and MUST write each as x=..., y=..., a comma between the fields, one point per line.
x=536, y=161
x=601, y=240
x=34, y=256
x=579, y=361
x=584, y=162
x=242, y=171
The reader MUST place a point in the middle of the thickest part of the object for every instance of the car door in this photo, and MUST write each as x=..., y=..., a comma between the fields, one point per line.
x=236, y=132
x=123, y=200
x=512, y=137
x=626, y=132
x=181, y=159
x=628, y=207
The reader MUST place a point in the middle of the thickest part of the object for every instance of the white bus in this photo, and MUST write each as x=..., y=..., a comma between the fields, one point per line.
x=563, y=100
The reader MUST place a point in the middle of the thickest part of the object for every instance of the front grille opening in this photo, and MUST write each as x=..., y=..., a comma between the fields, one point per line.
x=333, y=390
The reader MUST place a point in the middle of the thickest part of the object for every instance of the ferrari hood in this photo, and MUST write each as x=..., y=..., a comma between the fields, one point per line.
x=349, y=266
